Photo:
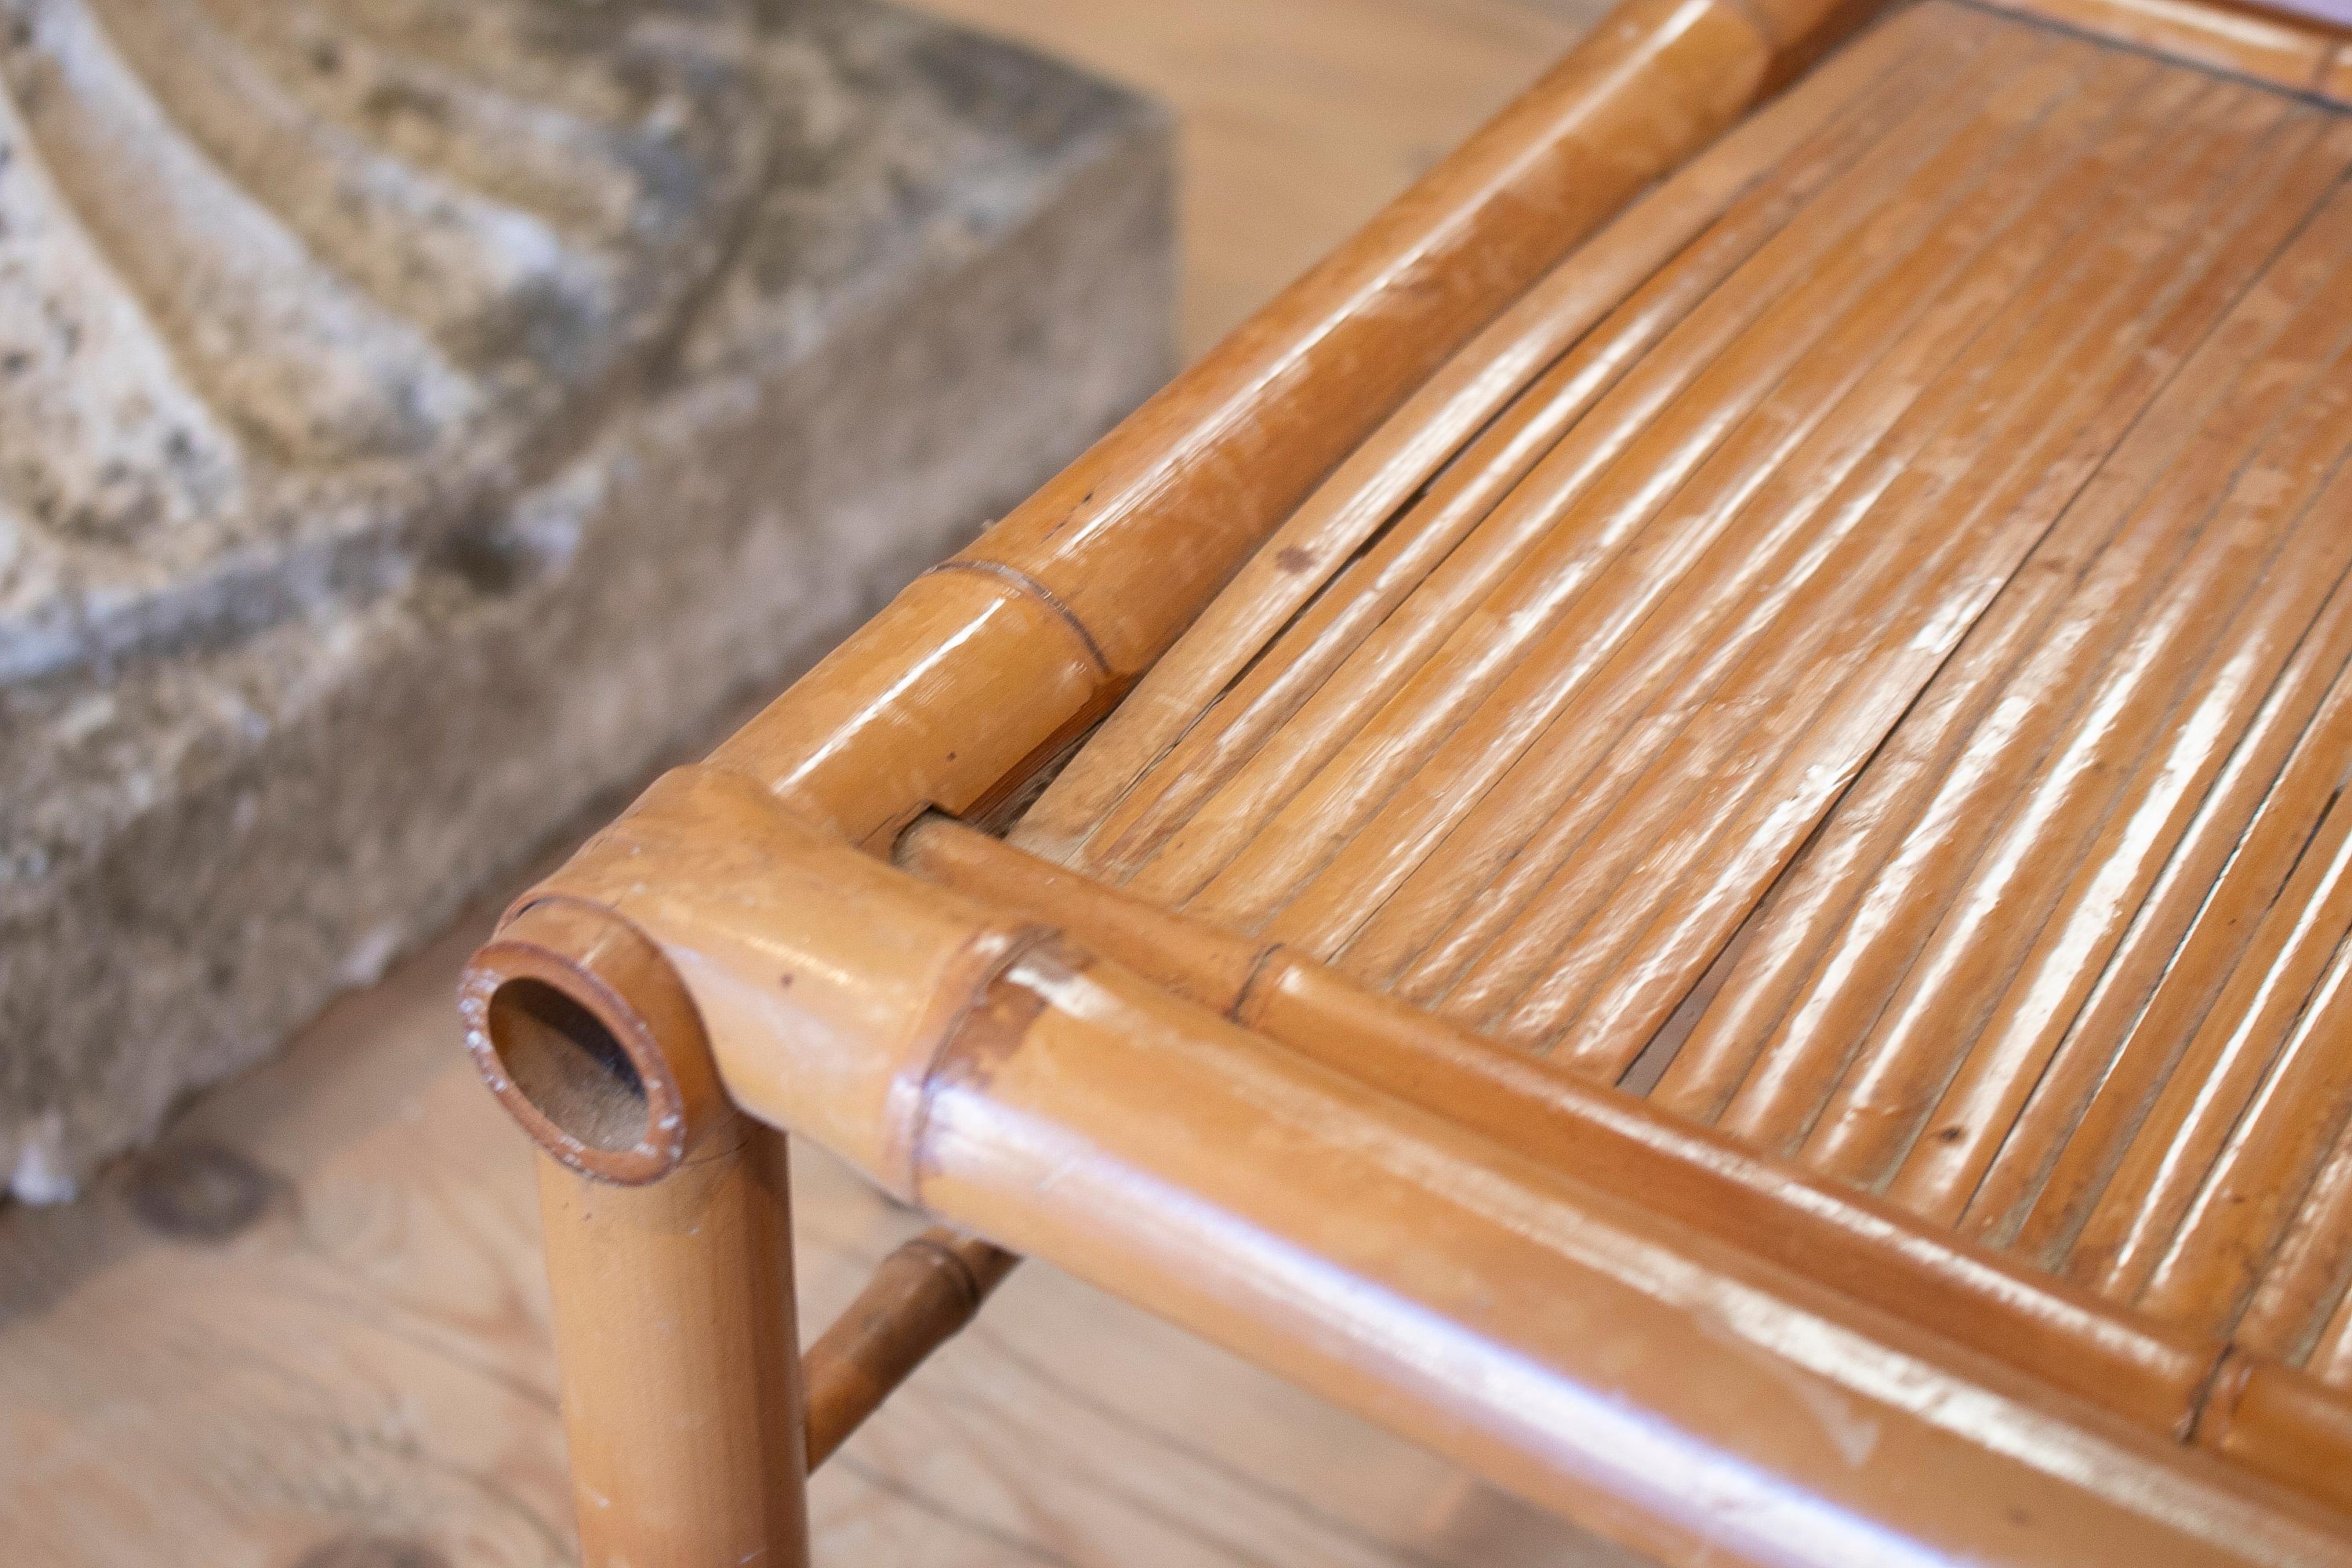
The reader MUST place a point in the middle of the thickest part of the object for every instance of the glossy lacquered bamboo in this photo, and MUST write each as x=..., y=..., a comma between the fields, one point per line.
x=673, y=1331
x=970, y=1059
x=1791, y=536
x=2303, y=53
x=2120, y=857
x=2237, y=837
x=2024, y=863
x=1186, y=729
x=1707, y=531
x=1731, y=845
x=2281, y=992
x=2259, y=1408
x=1980, y=1300
x=582, y=1030
x=2135, y=1365
x=2288, y=1312
x=1776, y=571
x=1698, y=820
x=1789, y=1019
x=981, y=669
x=2165, y=1034
x=921, y=1296
x=1236, y=861
x=1453, y=907
x=1058, y=606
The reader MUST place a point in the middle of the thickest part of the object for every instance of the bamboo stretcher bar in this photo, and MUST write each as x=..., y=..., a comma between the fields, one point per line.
x=922, y=1297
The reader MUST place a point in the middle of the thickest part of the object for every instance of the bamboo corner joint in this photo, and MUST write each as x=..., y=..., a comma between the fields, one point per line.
x=1632, y=1318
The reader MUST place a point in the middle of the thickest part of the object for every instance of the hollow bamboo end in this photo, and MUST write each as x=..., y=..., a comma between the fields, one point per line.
x=581, y=1028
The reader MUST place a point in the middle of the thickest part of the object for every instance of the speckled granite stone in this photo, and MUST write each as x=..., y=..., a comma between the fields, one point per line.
x=416, y=415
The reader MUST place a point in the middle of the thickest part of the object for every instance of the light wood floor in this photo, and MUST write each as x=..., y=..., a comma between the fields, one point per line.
x=310, y=1331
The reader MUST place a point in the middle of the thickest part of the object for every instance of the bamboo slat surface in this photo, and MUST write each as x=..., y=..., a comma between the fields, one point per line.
x=1863, y=654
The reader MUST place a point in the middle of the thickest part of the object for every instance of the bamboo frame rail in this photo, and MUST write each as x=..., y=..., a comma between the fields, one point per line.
x=1705, y=1349
x=965, y=1057
x=2134, y=1364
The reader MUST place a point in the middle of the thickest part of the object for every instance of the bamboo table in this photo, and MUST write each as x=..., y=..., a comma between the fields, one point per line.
x=1678, y=828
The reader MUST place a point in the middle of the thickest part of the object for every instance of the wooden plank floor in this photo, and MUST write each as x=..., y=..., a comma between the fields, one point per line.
x=310, y=1331
x=1297, y=117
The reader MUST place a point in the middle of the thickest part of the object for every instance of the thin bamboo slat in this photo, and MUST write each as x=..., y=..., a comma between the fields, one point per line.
x=1626, y=337
x=1519, y=947
x=2066, y=438
x=1237, y=862
x=1715, y=537
x=1716, y=615
x=1736, y=195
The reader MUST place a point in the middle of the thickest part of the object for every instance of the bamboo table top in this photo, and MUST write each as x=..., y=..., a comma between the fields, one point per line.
x=1862, y=654
x=1687, y=851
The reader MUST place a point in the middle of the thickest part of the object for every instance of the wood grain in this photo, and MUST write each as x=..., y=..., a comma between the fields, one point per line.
x=1296, y=118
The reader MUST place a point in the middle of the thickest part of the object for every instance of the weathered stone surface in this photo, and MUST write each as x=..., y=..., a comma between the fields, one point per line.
x=416, y=415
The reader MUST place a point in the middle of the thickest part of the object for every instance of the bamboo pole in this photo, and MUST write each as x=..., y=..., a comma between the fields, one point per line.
x=2167, y=1377
x=674, y=1330
x=1980, y=1300
x=667, y=1218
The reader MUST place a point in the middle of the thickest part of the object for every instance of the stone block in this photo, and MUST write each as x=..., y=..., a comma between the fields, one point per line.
x=417, y=416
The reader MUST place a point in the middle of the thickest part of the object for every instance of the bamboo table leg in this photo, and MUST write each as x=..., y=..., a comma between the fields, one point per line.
x=674, y=1325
